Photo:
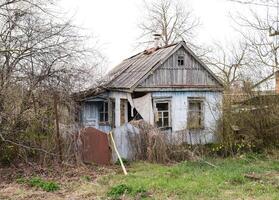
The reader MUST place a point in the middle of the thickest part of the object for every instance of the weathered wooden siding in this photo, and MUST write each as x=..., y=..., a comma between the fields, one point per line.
x=170, y=74
x=179, y=101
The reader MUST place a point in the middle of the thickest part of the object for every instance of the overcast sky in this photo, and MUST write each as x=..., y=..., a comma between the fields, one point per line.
x=114, y=22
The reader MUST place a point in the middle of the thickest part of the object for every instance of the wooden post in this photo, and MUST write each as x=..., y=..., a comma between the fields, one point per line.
x=58, y=139
x=126, y=111
x=117, y=111
x=118, y=155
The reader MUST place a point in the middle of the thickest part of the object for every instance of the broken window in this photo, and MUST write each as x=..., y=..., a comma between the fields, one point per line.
x=195, y=113
x=180, y=60
x=103, y=112
x=163, y=114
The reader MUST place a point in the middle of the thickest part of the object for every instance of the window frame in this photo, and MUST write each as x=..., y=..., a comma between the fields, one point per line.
x=178, y=60
x=169, y=117
x=104, y=112
x=200, y=112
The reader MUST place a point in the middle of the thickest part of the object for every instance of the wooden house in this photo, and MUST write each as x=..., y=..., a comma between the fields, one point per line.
x=169, y=87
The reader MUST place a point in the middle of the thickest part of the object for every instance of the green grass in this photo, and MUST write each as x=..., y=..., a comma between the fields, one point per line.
x=48, y=186
x=198, y=180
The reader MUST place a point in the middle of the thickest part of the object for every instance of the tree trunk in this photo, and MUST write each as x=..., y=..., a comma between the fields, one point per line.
x=58, y=138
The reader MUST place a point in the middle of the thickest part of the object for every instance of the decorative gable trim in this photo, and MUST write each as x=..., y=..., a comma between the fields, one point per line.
x=157, y=65
x=161, y=62
x=202, y=63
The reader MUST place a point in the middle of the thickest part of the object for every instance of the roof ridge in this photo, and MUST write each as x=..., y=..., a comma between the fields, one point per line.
x=156, y=49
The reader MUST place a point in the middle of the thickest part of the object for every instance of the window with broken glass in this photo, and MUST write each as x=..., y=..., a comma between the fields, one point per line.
x=163, y=114
x=195, y=113
x=103, y=113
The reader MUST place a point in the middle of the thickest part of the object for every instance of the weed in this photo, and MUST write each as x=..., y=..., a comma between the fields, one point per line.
x=125, y=161
x=237, y=180
x=20, y=180
x=117, y=191
x=141, y=192
x=86, y=178
x=48, y=186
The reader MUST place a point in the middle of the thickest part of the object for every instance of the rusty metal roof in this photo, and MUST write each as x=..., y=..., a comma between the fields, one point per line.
x=130, y=71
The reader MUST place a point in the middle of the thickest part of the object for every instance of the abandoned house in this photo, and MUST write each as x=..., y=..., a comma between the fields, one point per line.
x=168, y=87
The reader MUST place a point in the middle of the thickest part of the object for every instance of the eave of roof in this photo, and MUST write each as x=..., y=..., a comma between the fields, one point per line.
x=80, y=96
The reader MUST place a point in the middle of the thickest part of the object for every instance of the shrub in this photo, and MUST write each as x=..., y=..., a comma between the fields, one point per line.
x=150, y=144
x=249, y=123
x=8, y=153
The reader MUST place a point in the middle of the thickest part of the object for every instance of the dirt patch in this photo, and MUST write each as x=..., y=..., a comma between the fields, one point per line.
x=269, y=177
x=75, y=183
x=10, y=174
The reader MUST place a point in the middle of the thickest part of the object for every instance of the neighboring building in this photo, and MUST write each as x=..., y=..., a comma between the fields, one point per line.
x=169, y=87
x=269, y=84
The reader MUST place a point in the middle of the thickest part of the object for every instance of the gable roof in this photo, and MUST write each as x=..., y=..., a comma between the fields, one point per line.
x=130, y=72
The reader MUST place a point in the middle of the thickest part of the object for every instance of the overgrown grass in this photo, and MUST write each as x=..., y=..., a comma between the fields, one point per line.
x=198, y=180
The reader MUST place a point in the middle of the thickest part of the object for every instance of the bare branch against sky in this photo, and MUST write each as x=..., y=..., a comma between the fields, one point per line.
x=259, y=29
x=265, y=3
x=170, y=18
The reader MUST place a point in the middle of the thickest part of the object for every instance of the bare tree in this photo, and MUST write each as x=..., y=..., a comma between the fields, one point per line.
x=270, y=6
x=228, y=63
x=265, y=3
x=170, y=18
x=41, y=56
x=260, y=30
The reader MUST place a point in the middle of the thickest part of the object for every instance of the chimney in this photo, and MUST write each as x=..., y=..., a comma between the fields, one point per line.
x=277, y=82
x=157, y=40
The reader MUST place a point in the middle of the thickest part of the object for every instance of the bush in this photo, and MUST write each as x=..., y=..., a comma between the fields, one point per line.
x=150, y=144
x=249, y=123
x=8, y=153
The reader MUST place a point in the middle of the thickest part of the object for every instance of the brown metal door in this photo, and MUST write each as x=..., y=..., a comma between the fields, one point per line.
x=96, y=147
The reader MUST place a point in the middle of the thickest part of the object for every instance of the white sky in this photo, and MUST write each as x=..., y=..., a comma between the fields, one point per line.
x=114, y=22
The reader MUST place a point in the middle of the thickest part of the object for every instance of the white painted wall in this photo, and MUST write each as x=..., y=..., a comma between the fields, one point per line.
x=179, y=108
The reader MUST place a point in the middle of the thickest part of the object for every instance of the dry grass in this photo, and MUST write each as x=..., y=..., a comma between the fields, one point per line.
x=150, y=144
x=75, y=182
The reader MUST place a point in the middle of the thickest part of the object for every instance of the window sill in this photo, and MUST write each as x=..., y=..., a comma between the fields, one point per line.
x=196, y=129
x=165, y=128
x=104, y=124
